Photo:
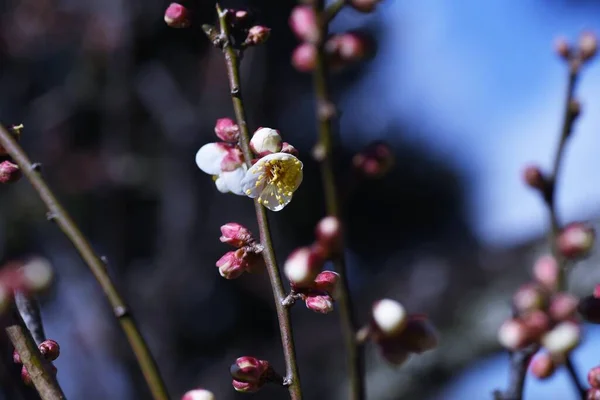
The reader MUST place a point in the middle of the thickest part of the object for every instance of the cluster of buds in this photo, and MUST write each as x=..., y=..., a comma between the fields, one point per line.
x=593, y=392
x=198, y=394
x=340, y=49
x=543, y=317
x=585, y=50
x=31, y=277
x=397, y=333
x=275, y=173
x=9, y=171
x=247, y=256
x=374, y=161
x=49, y=349
x=250, y=374
x=303, y=267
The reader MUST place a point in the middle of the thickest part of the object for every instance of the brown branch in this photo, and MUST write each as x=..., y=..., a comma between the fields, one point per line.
x=38, y=368
x=333, y=9
x=232, y=61
x=58, y=214
x=323, y=153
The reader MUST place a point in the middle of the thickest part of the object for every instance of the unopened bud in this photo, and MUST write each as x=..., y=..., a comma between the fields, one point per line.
x=319, y=303
x=304, y=57
x=327, y=281
x=249, y=369
x=199, y=394
x=576, y=240
x=258, y=35
x=16, y=357
x=537, y=323
x=594, y=377
x=393, y=352
x=563, y=306
x=49, y=349
x=545, y=272
x=563, y=338
x=25, y=376
x=37, y=274
x=528, y=298
x=177, y=16
x=534, y=178
x=419, y=334
x=513, y=335
x=589, y=308
x=236, y=235
x=542, y=366
x=303, y=23
x=562, y=48
x=233, y=264
x=365, y=6
x=588, y=45
x=374, y=161
x=389, y=317
x=302, y=267
x=227, y=130
x=9, y=172
x=593, y=394
x=329, y=233
x=288, y=148
x=233, y=159
x=266, y=141
x=347, y=48
x=246, y=387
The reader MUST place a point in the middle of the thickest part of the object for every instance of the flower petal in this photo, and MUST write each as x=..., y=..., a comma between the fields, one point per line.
x=254, y=182
x=221, y=185
x=233, y=180
x=273, y=200
x=210, y=156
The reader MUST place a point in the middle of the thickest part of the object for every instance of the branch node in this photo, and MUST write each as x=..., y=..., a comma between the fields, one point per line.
x=37, y=167
x=121, y=311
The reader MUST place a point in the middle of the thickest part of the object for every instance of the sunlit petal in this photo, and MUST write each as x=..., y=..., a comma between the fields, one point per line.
x=210, y=156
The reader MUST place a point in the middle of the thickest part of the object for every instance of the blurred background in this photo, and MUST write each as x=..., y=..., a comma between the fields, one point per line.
x=115, y=105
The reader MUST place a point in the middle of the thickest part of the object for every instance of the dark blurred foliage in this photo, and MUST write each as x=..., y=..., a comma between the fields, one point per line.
x=115, y=104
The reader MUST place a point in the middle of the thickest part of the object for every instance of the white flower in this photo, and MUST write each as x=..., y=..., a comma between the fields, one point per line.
x=221, y=161
x=266, y=141
x=273, y=179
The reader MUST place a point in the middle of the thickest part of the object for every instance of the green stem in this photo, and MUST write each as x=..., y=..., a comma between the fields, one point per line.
x=58, y=214
x=232, y=61
x=325, y=113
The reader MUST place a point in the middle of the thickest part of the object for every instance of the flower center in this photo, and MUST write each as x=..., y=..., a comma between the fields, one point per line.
x=279, y=178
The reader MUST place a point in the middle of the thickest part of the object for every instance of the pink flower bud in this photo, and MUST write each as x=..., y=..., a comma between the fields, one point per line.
x=177, y=16
x=419, y=334
x=304, y=24
x=227, y=130
x=513, y=335
x=232, y=264
x=9, y=172
x=537, y=324
x=593, y=394
x=594, y=377
x=258, y=35
x=588, y=45
x=249, y=369
x=597, y=291
x=233, y=159
x=347, y=48
x=563, y=306
x=389, y=317
x=529, y=297
x=288, y=148
x=236, y=235
x=49, y=349
x=25, y=376
x=16, y=357
x=534, y=178
x=327, y=281
x=545, y=272
x=266, y=141
x=576, y=240
x=393, y=352
x=304, y=57
x=589, y=308
x=562, y=48
x=542, y=366
x=319, y=303
x=374, y=161
x=365, y=6
x=302, y=267
x=246, y=387
x=199, y=394
x=329, y=233
x=563, y=338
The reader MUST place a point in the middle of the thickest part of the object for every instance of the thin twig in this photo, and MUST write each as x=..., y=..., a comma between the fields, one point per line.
x=325, y=113
x=575, y=379
x=38, y=368
x=519, y=361
x=333, y=9
x=65, y=222
x=232, y=61
x=29, y=309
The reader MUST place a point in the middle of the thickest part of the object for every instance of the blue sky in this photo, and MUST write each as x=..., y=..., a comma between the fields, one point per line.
x=483, y=82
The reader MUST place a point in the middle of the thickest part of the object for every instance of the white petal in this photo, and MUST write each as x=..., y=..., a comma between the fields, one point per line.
x=209, y=158
x=221, y=185
x=249, y=186
x=233, y=180
x=269, y=199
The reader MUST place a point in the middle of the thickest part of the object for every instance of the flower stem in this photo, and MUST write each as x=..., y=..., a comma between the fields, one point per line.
x=325, y=113
x=58, y=214
x=37, y=367
x=232, y=61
